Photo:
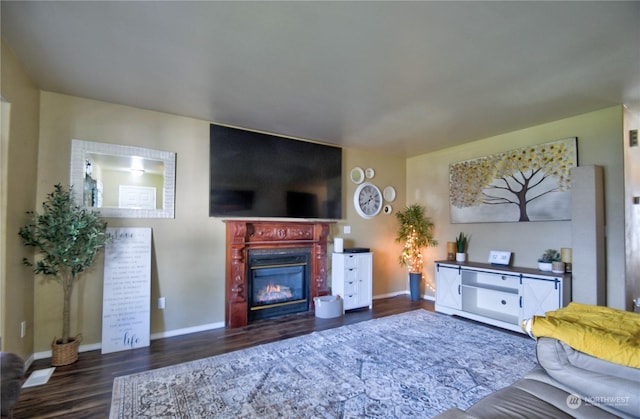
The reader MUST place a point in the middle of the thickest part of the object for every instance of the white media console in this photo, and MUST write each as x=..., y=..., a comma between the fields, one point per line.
x=498, y=295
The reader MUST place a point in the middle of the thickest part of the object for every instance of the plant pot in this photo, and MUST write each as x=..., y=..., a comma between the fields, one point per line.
x=414, y=285
x=65, y=353
x=461, y=257
x=557, y=267
x=545, y=266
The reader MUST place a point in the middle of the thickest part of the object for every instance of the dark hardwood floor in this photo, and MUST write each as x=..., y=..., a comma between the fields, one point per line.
x=83, y=389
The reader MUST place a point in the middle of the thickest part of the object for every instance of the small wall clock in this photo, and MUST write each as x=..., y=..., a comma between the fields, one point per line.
x=367, y=200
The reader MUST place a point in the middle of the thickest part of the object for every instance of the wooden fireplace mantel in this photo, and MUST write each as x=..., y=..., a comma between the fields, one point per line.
x=243, y=235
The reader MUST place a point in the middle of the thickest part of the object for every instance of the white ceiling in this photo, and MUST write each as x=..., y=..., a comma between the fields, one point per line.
x=397, y=77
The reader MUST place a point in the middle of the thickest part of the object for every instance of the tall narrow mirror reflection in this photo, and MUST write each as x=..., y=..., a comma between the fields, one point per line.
x=123, y=181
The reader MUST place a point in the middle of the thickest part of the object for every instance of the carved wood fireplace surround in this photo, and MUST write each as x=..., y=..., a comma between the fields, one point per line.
x=245, y=235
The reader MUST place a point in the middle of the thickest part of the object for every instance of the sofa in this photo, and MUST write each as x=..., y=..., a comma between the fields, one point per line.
x=588, y=367
x=12, y=377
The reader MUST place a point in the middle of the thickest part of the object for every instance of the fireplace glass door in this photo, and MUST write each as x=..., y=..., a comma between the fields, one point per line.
x=278, y=285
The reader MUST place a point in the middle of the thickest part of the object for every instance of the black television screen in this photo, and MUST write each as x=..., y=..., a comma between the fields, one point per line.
x=261, y=175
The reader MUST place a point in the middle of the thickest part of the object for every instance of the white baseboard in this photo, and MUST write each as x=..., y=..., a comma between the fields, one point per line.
x=28, y=362
x=395, y=294
x=81, y=348
x=187, y=330
x=153, y=336
x=389, y=295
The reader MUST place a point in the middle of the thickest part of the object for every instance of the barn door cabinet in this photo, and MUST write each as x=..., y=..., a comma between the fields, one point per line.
x=496, y=295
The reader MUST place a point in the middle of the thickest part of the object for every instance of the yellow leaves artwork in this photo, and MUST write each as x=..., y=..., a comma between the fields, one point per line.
x=527, y=184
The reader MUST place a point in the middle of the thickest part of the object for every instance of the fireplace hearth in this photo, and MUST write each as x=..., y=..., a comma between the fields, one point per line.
x=273, y=268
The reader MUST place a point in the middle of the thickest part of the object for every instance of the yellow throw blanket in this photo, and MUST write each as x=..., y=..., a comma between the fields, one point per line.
x=602, y=332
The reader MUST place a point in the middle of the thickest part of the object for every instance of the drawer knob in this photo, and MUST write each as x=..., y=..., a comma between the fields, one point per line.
x=503, y=302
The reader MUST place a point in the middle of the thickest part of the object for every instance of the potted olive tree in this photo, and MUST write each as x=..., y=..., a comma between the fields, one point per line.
x=416, y=231
x=67, y=239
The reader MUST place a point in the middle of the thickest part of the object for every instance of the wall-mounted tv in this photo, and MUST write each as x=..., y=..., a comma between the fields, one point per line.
x=261, y=175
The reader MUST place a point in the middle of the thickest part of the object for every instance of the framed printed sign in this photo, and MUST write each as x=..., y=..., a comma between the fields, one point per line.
x=126, y=310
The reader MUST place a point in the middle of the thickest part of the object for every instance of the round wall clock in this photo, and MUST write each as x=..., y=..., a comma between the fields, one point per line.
x=367, y=200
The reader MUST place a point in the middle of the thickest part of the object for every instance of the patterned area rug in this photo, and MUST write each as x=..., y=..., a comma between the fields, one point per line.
x=415, y=364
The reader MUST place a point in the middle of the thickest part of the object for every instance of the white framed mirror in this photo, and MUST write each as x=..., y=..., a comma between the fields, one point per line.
x=123, y=181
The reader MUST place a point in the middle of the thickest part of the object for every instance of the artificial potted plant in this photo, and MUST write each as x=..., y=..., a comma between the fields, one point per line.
x=416, y=231
x=67, y=239
x=545, y=261
x=462, y=243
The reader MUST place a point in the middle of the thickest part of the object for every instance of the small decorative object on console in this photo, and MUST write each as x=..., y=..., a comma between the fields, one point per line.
x=499, y=257
x=546, y=260
x=462, y=243
x=451, y=251
x=557, y=267
x=565, y=253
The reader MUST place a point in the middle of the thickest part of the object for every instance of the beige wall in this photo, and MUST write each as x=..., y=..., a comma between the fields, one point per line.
x=188, y=251
x=599, y=142
x=18, y=185
x=378, y=233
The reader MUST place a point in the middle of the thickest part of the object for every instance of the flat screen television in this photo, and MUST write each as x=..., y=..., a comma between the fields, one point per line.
x=260, y=175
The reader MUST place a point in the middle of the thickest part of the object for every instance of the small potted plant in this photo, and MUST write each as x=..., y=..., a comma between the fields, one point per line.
x=416, y=231
x=67, y=239
x=545, y=262
x=462, y=243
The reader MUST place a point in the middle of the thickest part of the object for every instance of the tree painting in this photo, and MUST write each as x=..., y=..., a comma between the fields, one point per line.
x=527, y=184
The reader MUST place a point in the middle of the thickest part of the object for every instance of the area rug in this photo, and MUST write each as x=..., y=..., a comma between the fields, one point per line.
x=415, y=364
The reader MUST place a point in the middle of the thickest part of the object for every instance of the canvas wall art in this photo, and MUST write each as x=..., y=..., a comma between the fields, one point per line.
x=526, y=184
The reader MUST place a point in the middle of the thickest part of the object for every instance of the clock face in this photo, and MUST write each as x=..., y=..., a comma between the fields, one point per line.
x=367, y=200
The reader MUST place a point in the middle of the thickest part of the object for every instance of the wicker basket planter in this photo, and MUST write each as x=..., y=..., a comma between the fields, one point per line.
x=65, y=353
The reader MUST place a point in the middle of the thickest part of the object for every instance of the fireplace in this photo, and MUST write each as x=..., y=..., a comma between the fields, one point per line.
x=278, y=282
x=291, y=254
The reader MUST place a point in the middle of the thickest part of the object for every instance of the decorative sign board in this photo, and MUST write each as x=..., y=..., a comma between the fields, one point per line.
x=126, y=310
x=499, y=257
